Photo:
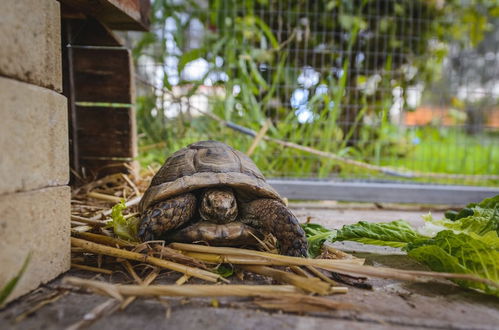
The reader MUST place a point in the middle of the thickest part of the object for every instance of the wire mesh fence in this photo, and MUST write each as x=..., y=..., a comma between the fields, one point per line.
x=397, y=91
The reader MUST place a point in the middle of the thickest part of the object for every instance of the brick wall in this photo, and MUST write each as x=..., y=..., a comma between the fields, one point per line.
x=34, y=167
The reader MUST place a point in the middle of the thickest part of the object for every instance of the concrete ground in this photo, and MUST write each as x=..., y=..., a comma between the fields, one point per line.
x=389, y=305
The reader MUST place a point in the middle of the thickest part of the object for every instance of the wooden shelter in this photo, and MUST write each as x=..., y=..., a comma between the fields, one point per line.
x=98, y=82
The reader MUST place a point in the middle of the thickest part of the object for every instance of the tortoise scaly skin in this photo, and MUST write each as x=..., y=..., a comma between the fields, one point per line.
x=210, y=192
x=166, y=215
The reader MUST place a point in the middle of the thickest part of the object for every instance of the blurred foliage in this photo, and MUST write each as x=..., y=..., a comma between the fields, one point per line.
x=346, y=58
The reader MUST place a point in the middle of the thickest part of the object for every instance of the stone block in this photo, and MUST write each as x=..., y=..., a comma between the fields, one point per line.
x=36, y=222
x=33, y=137
x=31, y=42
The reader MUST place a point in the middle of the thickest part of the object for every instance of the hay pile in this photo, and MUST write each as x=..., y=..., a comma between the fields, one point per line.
x=96, y=248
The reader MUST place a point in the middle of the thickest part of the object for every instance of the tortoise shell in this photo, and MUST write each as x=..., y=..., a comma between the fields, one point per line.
x=207, y=164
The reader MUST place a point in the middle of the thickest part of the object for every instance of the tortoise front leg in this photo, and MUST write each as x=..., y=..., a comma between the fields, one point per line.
x=271, y=216
x=169, y=214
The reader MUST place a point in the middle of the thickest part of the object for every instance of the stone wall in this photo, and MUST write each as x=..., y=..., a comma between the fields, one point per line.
x=34, y=167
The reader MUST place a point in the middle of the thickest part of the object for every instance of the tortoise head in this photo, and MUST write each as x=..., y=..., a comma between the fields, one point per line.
x=218, y=205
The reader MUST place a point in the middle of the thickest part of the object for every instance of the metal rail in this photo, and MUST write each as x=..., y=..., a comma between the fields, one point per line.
x=381, y=192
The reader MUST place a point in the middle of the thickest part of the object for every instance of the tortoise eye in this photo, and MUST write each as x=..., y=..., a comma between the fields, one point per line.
x=208, y=202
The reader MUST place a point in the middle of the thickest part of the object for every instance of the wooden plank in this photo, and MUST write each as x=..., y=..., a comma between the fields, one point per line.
x=91, y=32
x=105, y=132
x=102, y=75
x=101, y=69
x=116, y=14
x=381, y=192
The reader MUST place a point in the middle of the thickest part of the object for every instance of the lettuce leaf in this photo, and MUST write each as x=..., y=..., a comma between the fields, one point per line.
x=461, y=253
x=480, y=222
x=316, y=236
x=395, y=234
x=489, y=203
x=468, y=244
x=122, y=227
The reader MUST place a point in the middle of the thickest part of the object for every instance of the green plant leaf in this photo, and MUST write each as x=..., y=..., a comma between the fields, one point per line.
x=266, y=31
x=123, y=228
x=490, y=203
x=316, y=236
x=11, y=285
x=189, y=56
x=461, y=253
x=225, y=271
x=395, y=234
x=475, y=218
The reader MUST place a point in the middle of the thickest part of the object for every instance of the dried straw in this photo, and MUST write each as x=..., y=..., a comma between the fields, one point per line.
x=299, y=303
x=103, y=239
x=312, y=285
x=104, y=197
x=121, y=253
x=97, y=223
x=187, y=290
x=148, y=280
x=347, y=266
x=92, y=269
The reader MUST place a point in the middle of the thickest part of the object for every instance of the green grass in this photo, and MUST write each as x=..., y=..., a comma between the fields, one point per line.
x=423, y=150
x=450, y=151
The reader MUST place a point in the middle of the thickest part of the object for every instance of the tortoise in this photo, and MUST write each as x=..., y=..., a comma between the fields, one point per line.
x=211, y=192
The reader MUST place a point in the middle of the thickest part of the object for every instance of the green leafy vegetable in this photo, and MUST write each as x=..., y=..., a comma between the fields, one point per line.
x=225, y=271
x=122, y=227
x=464, y=242
x=481, y=221
x=317, y=235
x=396, y=233
x=454, y=215
x=461, y=253
x=490, y=203
x=11, y=285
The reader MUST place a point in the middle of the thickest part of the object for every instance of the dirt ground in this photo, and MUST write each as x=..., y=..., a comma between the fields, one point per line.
x=389, y=305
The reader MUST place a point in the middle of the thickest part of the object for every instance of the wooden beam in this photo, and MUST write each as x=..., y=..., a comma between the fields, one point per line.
x=381, y=192
x=116, y=14
x=90, y=31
